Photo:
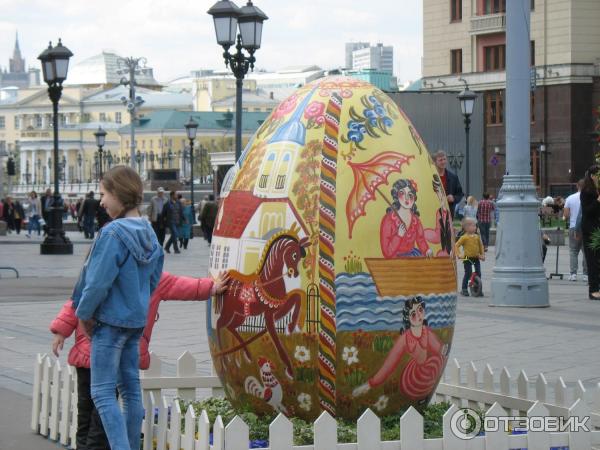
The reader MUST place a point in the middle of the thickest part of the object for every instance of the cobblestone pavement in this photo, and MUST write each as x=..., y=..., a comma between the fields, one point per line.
x=560, y=341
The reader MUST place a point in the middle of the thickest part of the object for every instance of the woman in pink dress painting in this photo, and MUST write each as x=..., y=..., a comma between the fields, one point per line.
x=427, y=356
x=401, y=230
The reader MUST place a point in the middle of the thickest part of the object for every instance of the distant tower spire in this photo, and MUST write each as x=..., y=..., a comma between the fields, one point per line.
x=17, y=63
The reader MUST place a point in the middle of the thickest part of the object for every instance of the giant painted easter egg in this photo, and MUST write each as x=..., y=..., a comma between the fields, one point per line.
x=335, y=230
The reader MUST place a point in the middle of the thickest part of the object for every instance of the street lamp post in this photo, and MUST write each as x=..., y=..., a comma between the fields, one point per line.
x=227, y=17
x=456, y=161
x=170, y=158
x=132, y=68
x=191, y=128
x=467, y=102
x=109, y=159
x=519, y=277
x=55, y=65
x=100, y=136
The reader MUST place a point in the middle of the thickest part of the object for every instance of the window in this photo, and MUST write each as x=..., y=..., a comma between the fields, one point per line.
x=102, y=117
x=532, y=106
x=494, y=107
x=151, y=141
x=494, y=57
x=282, y=171
x=38, y=121
x=532, y=5
x=85, y=117
x=17, y=122
x=217, y=256
x=244, y=109
x=212, y=256
x=2, y=122
x=63, y=119
x=257, y=109
x=532, y=54
x=494, y=6
x=456, y=61
x=118, y=117
x=225, y=262
x=455, y=10
x=263, y=181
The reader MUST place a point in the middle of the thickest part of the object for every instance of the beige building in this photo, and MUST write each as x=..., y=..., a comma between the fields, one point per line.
x=464, y=41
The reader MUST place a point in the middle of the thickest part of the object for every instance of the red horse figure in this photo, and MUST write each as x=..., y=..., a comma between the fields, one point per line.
x=264, y=292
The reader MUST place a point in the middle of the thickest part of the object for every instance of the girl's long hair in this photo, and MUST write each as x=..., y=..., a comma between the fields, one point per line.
x=126, y=185
x=408, y=305
x=397, y=187
x=588, y=183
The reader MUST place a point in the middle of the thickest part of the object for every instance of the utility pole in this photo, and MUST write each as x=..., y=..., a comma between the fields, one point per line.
x=519, y=278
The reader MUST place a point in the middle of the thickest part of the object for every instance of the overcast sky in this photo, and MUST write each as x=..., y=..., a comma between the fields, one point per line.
x=177, y=36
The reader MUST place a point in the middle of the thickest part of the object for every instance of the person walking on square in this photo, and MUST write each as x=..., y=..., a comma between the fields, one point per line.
x=90, y=433
x=155, y=214
x=470, y=210
x=570, y=213
x=111, y=300
x=472, y=252
x=590, y=222
x=485, y=209
x=9, y=214
x=450, y=181
x=208, y=216
x=87, y=215
x=33, y=214
x=47, y=204
x=186, y=228
x=174, y=218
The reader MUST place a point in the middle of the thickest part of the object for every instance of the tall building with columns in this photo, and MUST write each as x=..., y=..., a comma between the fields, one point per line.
x=17, y=75
x=464, y=43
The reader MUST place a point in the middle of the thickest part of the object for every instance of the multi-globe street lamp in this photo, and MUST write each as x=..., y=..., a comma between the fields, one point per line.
x=100, y=136
x=227, y=17
x=456, y=161
x=55, y=65
x=132, y=67
x=467, y=102
x=79, y=162
x=191, y=128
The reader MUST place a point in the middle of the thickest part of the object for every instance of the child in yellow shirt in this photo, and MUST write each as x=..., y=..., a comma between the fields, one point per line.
x=472, y=251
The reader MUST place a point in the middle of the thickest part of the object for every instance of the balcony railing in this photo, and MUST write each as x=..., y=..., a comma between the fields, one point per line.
x=490, y=23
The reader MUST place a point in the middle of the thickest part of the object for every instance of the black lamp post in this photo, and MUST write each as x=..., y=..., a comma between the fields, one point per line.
x=170, y=157
x=55, y=65
x=38, y=174
x=191, y=128
x=152, y=159
x=467, y=102
x=100, y=136
x=27, y=171
x=96, y=166
x=227, y=18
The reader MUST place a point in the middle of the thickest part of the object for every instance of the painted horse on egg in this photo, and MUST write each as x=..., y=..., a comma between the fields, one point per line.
x=264, y=292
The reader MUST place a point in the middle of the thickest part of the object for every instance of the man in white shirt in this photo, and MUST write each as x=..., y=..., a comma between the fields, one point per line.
x=570, y=212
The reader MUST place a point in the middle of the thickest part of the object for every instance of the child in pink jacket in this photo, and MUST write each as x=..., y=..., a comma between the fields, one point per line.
x=90, y=433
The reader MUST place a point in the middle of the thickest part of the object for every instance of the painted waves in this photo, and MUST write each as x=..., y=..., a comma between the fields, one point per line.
x=358, y=306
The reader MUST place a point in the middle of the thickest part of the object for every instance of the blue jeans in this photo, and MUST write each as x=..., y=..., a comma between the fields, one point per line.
x=484, y=229
x=34, y=222
x=88, y=226
x=115, y=363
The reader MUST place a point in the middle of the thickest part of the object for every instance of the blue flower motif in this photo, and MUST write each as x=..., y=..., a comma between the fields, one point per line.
x=373, y=121
x=379, y=111
x=353, y=126
x=374, y=100
x=355, y=136
x=369, y=113
x=362, y=128
x=388, y=122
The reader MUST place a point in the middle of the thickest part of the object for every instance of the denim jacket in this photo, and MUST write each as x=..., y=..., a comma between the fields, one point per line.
x=120, y=273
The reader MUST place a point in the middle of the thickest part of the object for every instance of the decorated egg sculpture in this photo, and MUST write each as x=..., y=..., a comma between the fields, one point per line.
x=336, y=234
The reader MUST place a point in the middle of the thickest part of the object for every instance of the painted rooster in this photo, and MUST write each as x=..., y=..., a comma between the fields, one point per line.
x=270, y=389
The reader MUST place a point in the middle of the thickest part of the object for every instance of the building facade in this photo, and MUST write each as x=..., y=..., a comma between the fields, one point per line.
x=464, y=42
x=378, y=57
x=17, y=75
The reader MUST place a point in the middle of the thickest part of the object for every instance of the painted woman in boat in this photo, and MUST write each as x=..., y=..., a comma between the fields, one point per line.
x=401, y=230
x=442, y=233
x=427, y=356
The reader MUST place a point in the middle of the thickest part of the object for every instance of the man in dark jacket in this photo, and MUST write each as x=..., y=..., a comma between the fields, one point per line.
x=208, y=216
x=87, y=214
x=174, y=218
x=454, y=192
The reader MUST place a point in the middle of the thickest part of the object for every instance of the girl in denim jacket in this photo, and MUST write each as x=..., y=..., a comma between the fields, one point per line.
x=111, y=301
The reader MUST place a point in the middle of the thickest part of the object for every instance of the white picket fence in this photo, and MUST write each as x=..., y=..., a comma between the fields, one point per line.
x=54, y=413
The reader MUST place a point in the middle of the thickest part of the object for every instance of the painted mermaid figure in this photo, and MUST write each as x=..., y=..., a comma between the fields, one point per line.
x=427, y=356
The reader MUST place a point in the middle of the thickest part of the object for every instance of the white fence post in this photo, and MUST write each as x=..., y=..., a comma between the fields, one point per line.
x=538, y=440
x=451, y=441
x=65, y=401
x=186, y=367
x=54, y=401
x=412, y=424
x=237, y=434
x=161, y=426
x=174, y=433
x=325, y=429
x=45, y=407
x=281, y=433
x=37, y=392
x=368, y=431
x=498, y=439
x=218, y=434
x=203, y=432
x=188, y=438
x=580, y=439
